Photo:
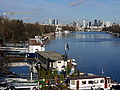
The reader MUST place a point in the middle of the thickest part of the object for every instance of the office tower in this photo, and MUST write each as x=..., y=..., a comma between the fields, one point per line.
x=49, y=21
x=84, y=23
x=95, y=22
x=108, y=24
x=103, y=24
x=55, y=22
x=89, y=23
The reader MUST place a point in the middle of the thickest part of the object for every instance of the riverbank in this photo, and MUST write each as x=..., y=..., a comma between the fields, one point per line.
x=113, y=34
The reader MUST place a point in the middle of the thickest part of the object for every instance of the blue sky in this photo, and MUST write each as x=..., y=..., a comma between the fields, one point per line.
x=64, y=10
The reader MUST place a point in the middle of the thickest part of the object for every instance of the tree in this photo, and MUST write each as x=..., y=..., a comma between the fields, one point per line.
x=70, y=28
x=17, y=30
x=113, y=28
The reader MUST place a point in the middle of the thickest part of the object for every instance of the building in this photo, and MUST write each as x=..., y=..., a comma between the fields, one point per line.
x=99, y=23
x=90, y=83
x=34, y=45
x=95, y=22
x=89, y=23
x=55, y=22
x=84, y=23
x=108, y=24
x=49, y=21
x=53, y=61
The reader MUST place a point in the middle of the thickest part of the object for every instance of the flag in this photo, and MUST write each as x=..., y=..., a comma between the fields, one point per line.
x=102, y=72
x=67, y=47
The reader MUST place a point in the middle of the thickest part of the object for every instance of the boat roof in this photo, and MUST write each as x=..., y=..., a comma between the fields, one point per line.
x=86, y=77
x=53, y=56
x=34, y=42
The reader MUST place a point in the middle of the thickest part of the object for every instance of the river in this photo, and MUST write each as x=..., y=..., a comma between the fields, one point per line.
x=93, y=52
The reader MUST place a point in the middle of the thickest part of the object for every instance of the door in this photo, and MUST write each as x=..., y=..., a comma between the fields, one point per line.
x=106, y=83
x=77, y=87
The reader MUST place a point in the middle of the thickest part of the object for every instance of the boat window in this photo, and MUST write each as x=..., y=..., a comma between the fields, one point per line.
x=102, y=81
x=109, y=80
x=83, y=82
x=90, y=82
x=72, y=82
x=95, y=81
x=36, y=50
x=59, y=62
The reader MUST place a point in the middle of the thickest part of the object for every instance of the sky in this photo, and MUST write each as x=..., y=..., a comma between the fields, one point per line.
x=65, y=11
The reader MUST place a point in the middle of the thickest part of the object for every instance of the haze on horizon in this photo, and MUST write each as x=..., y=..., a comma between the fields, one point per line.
x=64, y=10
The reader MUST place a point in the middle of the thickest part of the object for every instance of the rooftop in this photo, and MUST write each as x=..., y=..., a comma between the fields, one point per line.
x=54, y=56
x=86, y=77
x=34, y=42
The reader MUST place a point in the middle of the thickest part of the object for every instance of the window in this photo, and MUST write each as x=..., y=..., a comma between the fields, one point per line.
x=36, y=50
x=72, y=82
x=95, y=81
x=109, y=80
x=59, y=62
x=83, y=82
x=90, y=82
x=102, y=81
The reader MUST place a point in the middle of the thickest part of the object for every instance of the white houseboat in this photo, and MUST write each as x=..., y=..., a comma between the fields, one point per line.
x=34, y=45
x=90, y=83
x=53, y=60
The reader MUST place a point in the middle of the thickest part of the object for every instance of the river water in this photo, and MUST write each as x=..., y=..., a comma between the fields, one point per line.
x=93, y=52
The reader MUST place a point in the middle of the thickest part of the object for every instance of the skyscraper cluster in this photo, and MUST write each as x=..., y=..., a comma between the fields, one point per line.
x=51, y=21
x=89, y=24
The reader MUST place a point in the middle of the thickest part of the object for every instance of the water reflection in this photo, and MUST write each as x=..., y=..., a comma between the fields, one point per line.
x=93, y=51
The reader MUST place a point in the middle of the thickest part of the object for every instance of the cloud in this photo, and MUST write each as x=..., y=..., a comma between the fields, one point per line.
x=76, y=3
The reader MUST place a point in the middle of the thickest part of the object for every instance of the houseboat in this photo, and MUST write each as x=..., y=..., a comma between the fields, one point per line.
x=52, y=60
x=34, y=45
x=90, y=83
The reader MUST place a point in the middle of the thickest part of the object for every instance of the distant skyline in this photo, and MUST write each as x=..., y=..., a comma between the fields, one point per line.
x=64, y=10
